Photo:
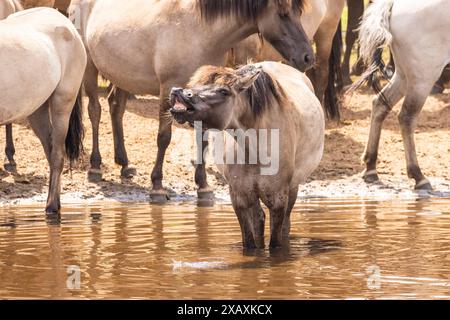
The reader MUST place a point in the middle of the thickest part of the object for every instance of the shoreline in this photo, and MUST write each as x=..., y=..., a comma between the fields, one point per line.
x=389, y=188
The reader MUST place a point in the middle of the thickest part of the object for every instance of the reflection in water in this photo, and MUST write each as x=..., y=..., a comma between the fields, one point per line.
x=339, y=249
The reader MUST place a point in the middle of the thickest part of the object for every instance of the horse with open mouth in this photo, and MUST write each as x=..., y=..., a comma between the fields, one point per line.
x=265, y=97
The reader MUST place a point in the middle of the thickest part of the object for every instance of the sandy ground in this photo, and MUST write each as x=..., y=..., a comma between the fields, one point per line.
x=338, y=175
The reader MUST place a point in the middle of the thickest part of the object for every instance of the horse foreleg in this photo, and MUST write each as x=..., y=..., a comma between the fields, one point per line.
x=95, y=113
x=158, y=194
x=414, y=101
x=10, y=164
x=355, y=12
x=287, y=217
x=245, y=209
x=201, y=179
x=42, y=128
x=393, y=92
x=117, y=105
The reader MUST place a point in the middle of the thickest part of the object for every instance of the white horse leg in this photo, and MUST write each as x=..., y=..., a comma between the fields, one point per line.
x=416, y=96
x=95, y=113
x=117, y=104
x=393, y=92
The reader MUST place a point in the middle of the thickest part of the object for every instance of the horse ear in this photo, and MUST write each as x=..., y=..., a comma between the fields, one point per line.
x=247, y=80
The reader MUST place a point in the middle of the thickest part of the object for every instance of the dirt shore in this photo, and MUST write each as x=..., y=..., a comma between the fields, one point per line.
x=338, y=175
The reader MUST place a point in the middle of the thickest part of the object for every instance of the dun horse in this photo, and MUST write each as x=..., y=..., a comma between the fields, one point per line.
x=8, y=7
x=264, y=96
x=149, y=46
x=320, y=21
x=44, y=40
x=421, y=51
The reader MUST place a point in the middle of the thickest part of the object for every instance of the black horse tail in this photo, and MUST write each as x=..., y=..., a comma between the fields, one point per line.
x=335, y=81
x=75, y=134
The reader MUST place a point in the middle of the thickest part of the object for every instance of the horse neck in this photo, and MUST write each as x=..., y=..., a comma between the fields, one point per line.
x=224, y=34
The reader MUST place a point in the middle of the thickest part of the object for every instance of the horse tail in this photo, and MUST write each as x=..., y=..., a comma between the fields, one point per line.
x=75, y=134
x=335, y=81
x=374, y=36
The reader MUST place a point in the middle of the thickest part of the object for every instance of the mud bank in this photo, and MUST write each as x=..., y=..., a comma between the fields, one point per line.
x=338, y=175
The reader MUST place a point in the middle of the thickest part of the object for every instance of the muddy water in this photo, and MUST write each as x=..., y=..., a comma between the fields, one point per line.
x=339, y=249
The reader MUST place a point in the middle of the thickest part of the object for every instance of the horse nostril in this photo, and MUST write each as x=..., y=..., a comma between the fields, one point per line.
x=308, y=58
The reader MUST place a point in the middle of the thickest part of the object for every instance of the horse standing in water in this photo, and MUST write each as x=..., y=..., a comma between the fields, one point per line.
x=149, y=46
x=421, y=51
x=262, y=97
x=44, y=40
x=320, y=21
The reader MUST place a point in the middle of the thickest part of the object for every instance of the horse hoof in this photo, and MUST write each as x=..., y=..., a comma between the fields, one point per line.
x=371, y=178
x=94, y=175
x=52, y=211
x=128, y=172
x=205, y=194
x=159, y=197
x=10, y=167
x=424, y=186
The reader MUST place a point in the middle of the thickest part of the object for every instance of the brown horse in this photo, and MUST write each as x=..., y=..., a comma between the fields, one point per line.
x=149, y=46
x=269, y=97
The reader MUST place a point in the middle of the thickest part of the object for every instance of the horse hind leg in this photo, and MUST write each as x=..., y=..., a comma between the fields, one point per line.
x=117, y=106
x=10, y=165
x=381, y=107
x=415, y=99
x=355, y=12
x=95, y=113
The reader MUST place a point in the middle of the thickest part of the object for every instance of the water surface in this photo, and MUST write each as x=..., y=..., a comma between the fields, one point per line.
x=347, y=249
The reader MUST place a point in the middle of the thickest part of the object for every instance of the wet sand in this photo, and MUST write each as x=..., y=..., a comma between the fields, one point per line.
x=338, y=175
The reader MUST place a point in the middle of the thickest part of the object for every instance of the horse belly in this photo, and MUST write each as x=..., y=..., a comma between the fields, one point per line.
x=122, y=52
x=27, y=80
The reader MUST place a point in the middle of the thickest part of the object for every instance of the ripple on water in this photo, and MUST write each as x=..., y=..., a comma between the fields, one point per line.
x=340, y=248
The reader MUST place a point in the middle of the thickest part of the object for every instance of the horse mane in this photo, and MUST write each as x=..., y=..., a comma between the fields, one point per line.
x=260, y=96
x=243, y=9
x=264, y=91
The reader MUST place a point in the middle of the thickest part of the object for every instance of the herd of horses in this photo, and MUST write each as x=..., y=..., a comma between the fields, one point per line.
x=175, y=49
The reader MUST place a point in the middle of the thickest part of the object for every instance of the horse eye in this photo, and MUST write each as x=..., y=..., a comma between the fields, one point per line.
x=284, y=15
x=224, y=92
